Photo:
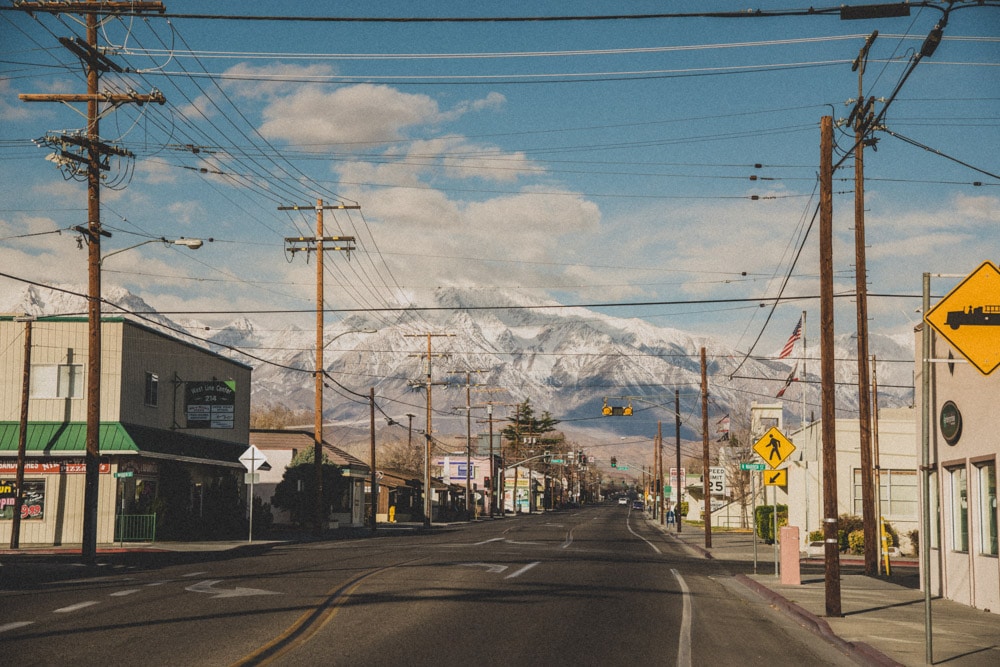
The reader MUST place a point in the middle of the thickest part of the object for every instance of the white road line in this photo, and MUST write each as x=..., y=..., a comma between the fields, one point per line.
x=75, y=607
x=121, y=594
x=518, y=573
x=651, y=545
x=569, y=540
x=195, y=574
x=495, y=539
x=684, y=641
x=14, y=626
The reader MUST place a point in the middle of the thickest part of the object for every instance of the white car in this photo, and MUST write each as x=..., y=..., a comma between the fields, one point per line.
x=623, y=501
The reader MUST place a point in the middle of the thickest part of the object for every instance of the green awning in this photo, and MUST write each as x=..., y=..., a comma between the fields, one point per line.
x=69, y=439
x=54, y=438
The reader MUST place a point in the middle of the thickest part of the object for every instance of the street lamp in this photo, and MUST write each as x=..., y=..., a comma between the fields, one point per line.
x=320, y=515
x=88, y=550
x=192, y=244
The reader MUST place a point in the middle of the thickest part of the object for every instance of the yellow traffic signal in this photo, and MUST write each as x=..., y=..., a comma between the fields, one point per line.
x=627, y=411
x=606, y=410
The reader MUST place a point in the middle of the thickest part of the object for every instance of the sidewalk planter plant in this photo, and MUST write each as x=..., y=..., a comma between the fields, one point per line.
x=764, y=521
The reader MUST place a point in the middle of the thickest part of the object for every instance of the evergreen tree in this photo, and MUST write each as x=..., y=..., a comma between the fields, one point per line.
x=300, y=503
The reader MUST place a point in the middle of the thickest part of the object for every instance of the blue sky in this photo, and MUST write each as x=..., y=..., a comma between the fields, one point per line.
x=582, y=161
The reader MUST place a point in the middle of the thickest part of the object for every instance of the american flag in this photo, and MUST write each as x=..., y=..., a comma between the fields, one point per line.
x=722, y=429
x=790, y=345
x=792, y=377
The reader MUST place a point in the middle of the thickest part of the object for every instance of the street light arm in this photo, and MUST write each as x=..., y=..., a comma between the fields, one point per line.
x=352, y=331
x=514, y=465
x=192, y=244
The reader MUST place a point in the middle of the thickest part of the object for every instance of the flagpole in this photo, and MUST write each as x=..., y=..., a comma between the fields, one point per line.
x=802, y=387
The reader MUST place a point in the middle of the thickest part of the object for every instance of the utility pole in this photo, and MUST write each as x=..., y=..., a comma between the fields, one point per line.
x=428, y=437
x=468, y=437
x=371, y=405
x=659, y=459
x=677, y=423
x=22, y=436
x=493, y=468
x=862, y=117
x=315, y=244
x=409, y=429
x=704, y=451
x=829, y=427
x=90, y=161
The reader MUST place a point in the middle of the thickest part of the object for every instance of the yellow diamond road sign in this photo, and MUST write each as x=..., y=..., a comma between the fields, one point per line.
x=969, y=318
x=774, y=448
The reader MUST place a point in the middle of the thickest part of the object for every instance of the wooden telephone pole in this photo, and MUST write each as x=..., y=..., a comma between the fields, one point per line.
x=428, y=438
x=83, y=154
x=315, y=244
x=829, y=426
x=862, y=117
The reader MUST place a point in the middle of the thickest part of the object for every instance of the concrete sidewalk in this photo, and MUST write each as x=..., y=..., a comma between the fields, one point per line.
x=883, y=621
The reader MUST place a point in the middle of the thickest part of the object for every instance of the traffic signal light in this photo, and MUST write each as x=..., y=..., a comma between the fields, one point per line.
x=616, y=410
x=486, y=483
x=614, y=461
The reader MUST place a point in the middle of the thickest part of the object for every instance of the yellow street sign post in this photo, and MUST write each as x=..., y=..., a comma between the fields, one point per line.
x=774, y=447
x=969, y=318
x=776, y=477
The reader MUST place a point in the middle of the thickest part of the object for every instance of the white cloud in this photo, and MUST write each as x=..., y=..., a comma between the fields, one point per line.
x=363, y=113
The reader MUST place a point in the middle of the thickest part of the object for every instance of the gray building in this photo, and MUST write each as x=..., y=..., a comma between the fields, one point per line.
x=174, y=420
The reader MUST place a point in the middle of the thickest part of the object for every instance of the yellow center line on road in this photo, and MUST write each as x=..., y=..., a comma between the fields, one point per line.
x=309, y=623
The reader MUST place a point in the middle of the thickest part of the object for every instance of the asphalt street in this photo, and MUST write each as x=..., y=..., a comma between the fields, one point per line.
x=593, y=586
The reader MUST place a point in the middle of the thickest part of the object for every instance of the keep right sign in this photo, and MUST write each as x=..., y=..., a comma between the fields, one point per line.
x=969, y=318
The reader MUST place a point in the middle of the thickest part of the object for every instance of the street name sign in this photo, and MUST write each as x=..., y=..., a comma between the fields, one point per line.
x=125, y=473
x=753, y=466
x=968, y=317
x=774, y=447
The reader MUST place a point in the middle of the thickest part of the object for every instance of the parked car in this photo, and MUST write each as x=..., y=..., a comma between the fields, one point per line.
x=638, y=505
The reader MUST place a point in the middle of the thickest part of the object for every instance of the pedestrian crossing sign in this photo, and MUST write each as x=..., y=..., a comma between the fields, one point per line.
x=774, y=447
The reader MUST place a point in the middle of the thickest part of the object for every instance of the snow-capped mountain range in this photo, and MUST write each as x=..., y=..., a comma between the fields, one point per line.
x=565, y=360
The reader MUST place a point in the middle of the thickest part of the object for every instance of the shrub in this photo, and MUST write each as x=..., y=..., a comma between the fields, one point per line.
x=764, y=521
x=893, y=535
x=816, y=536
x=914, y=536
x=856, y=541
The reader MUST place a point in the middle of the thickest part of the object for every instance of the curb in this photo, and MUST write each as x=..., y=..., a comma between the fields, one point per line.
x=861, y=651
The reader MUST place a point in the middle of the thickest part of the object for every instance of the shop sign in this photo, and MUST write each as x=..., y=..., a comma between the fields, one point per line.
x=33, y=506
x=210, y=404
x=49, y=467
x=951, y=422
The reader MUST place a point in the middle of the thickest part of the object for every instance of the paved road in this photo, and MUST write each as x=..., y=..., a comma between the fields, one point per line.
x=596, y=586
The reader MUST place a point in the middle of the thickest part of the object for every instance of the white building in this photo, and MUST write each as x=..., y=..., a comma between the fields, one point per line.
x=964, y=446
x=894, y=460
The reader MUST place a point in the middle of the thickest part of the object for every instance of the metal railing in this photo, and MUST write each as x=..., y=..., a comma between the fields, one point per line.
x=135, y=528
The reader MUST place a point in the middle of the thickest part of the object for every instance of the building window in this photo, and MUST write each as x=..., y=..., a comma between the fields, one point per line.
x=57, y=381
x=152, y=389
x=988, y=508
x=935, y=506
x=897, y=494
x=959, y=510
